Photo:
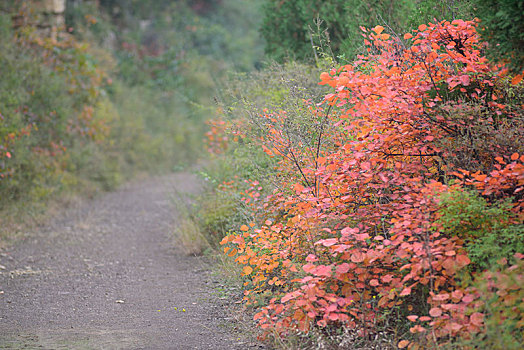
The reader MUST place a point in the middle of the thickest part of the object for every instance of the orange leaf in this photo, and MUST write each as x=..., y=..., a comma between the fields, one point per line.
x=378, y=29
x=517, y=79
x=408, y=36
x=481, y=177
x=402, y=344
x=298, y=187
x=325, y=76
x=514, y=156
x=232, y=252
x=244, y=228
x=247, y=270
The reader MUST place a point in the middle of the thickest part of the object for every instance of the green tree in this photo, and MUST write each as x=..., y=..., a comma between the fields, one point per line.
x=502, y=24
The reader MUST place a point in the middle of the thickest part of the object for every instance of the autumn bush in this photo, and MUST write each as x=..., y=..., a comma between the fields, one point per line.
x=49, y=98
x=392, y=209
x=234, y=184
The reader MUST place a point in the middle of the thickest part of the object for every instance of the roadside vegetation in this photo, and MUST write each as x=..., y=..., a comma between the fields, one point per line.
x=123, y=88
x=368, y=184
x=364, y=179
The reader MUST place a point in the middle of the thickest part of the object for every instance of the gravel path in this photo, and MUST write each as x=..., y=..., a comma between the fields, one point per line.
x=107, y=275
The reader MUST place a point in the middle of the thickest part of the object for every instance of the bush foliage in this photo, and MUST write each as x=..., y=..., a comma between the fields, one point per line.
x=503, y=28
x=125, y=87
x=392, y=207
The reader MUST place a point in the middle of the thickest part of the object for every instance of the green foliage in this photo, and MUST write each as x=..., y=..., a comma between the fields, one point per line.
x=39, y=114
x=502, y=24
x=491, y=231
x=425, y=11
x=502, y=302
x=290, y=31
x=221, y=210
x=127, y=92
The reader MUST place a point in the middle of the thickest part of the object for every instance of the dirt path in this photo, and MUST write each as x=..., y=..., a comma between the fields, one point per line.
x=108, y=276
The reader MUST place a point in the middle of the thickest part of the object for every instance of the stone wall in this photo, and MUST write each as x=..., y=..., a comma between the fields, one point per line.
x=50, y=16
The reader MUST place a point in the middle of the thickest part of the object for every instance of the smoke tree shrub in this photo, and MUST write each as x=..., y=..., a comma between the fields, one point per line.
x=364, y=228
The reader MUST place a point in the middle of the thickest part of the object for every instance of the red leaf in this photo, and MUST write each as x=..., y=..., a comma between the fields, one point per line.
x=333, y=317
x=357, y=257
x=298, y=187
x=464, y=80
x=311, y=258
x=309, y=268
x=476, y=318
x=462, y=260
x=342, y=268
x=435, y=312
x=405, y=291
x=328, y=242
x=365, y=165
x=323, y=270
x=386, y=278
x=361, y=237
x=441, y=297
x=349, y=231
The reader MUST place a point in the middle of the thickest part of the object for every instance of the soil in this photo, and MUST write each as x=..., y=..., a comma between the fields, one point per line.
x=107, y=275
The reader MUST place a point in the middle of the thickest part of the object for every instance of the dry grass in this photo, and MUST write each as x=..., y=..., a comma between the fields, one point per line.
x=19, y=218
x=189, y=237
